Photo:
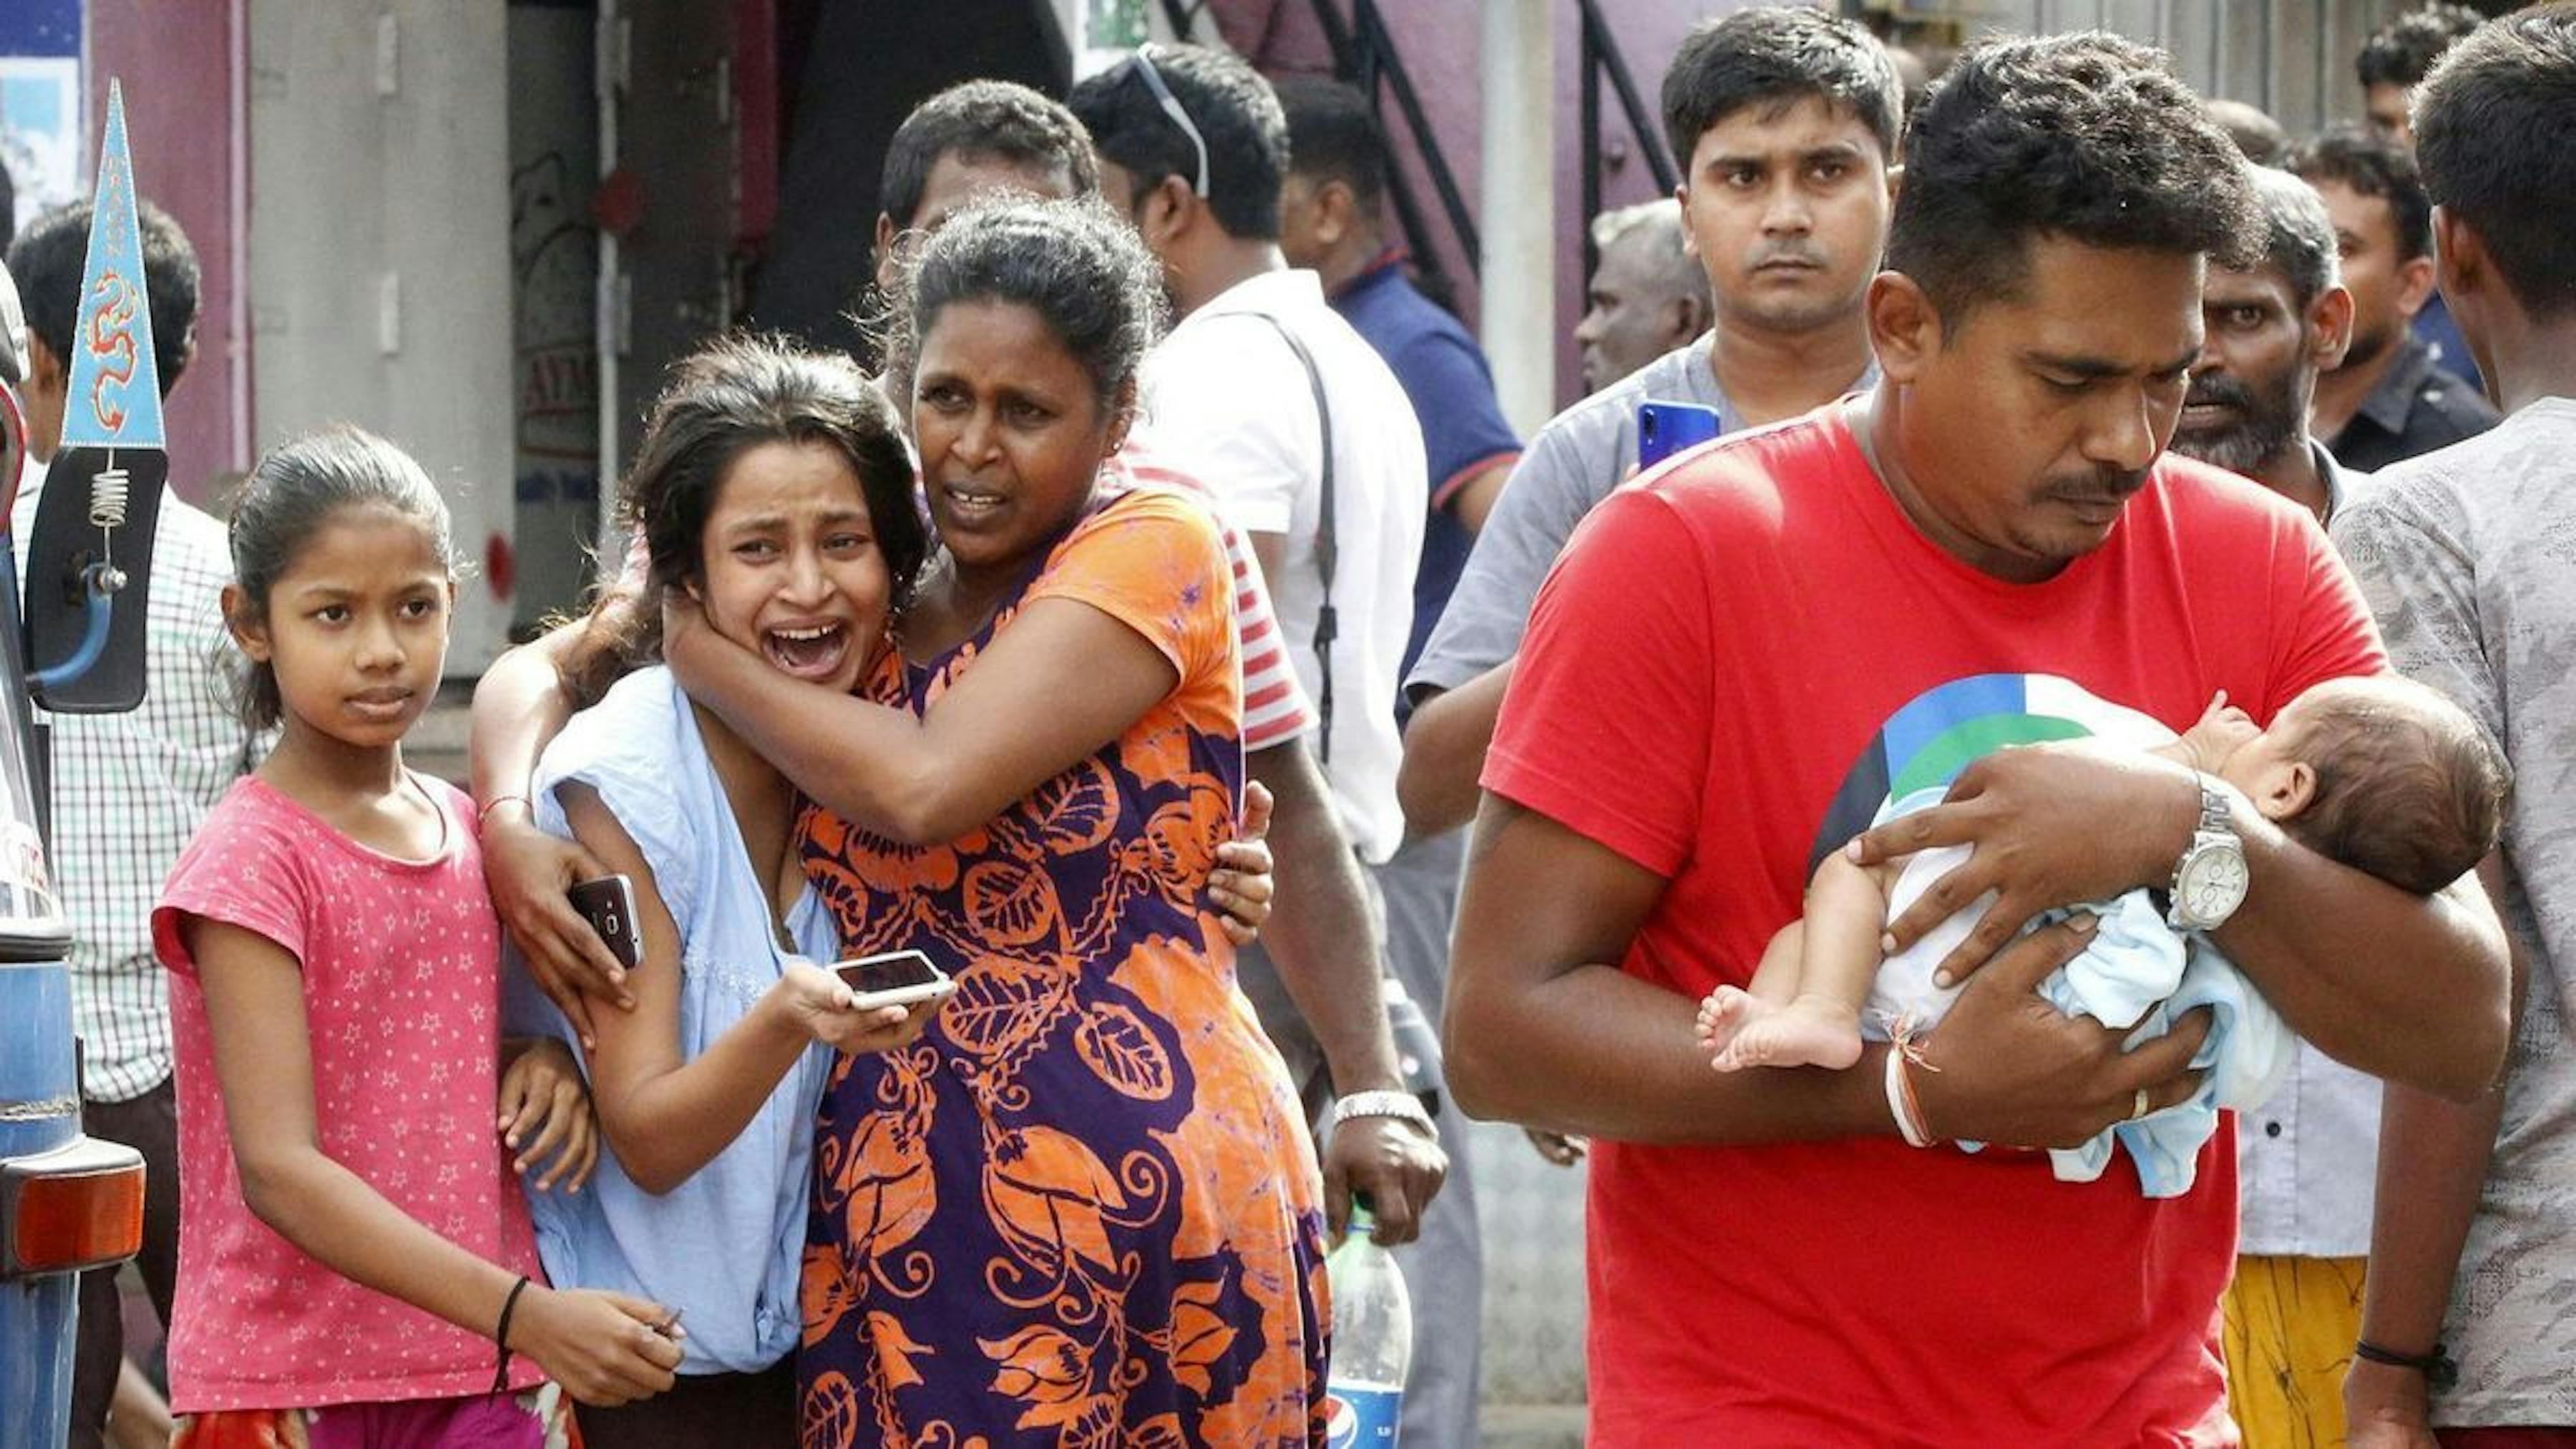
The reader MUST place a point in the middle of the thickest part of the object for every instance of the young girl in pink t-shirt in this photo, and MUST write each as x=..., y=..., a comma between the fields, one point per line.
x=351, y=1243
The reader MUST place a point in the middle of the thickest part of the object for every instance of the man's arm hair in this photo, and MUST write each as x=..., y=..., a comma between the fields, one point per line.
x=2433, y=1157
x=1319, y=933
x=2343, y=955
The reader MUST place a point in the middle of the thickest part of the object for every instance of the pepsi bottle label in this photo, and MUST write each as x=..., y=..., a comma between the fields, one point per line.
x=1361, y=1416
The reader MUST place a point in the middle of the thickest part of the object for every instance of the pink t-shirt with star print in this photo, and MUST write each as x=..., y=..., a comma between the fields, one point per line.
x=401, y=964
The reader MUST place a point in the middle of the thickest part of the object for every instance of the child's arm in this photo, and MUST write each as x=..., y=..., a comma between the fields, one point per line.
x=666, y=1116
x=602, y=1347
x=2221, y=730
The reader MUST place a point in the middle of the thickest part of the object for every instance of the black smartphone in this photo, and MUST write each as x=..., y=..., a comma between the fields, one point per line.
x=1666, y=428
x=896, y=978
x=608, y=903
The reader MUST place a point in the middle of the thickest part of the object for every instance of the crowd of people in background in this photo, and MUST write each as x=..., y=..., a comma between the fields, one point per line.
x=1172, y=641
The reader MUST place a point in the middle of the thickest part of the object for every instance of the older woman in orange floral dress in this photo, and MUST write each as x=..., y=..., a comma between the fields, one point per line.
x=1083, y=1209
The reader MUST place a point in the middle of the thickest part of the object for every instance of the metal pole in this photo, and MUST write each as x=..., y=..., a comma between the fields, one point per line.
x=2271, y=102
x=1378, y=46
x=2326, y=33
x=1518, y=324
x=1590, y=139
x=237, y=200
x=1601, y=47
x=2219, y=84
x=610, y=59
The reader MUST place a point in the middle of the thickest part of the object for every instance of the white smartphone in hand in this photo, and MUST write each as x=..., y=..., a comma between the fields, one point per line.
x=895, y=978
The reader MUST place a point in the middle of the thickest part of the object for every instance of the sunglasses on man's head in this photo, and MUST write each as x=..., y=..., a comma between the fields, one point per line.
x=1142, y=62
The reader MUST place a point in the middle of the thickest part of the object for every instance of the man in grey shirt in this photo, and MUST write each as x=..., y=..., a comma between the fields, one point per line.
x=1786, y=119
x=1571, y=465
x=2463, y=556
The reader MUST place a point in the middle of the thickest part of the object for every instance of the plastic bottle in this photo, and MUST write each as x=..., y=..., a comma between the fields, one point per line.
x=1372, y=1341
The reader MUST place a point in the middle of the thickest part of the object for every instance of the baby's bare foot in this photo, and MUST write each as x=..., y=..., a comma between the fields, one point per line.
x=1723, y=1014
x=1805, y=1033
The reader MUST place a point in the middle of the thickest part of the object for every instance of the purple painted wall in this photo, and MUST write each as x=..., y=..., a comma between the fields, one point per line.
x=1439, y=44
x=175, y=61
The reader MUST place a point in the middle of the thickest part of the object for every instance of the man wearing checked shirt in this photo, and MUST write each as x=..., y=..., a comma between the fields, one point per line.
x=129, y=789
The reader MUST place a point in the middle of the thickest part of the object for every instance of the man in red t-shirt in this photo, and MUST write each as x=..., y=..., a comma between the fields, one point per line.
x=1743, y=655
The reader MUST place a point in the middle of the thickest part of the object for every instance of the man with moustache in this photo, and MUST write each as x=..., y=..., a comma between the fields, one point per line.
x=2304, y=1163
x=2269, y=330
x=1786, y=121
x=1744, y=655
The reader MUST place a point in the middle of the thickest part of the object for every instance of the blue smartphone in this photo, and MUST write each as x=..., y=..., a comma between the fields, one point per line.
x=1666, y=428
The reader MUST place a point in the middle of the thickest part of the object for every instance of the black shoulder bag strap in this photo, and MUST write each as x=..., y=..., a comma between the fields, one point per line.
x=1327, y=625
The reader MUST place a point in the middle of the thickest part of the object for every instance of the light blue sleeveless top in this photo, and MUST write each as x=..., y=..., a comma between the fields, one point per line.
x=725, y=1246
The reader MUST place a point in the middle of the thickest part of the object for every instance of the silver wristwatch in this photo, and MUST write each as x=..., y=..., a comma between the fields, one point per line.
x=2209, y=881
x=1385, y=1103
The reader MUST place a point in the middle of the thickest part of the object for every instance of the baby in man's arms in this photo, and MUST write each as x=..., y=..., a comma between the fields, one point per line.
x=2381, y=774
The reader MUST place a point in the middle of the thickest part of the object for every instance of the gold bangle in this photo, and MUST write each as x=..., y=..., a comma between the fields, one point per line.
x=484, y=815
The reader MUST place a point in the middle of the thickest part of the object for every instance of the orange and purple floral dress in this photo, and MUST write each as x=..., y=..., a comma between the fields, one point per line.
x=1083, y=1209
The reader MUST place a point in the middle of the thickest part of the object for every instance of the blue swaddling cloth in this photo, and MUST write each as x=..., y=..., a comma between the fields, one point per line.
x=2138, y=973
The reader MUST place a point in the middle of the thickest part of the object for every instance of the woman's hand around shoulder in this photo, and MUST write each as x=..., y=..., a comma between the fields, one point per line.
x=1240, y=885
x=826, y=1009
x=528, y=873
x=604, y=1348
x=546, y=1113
